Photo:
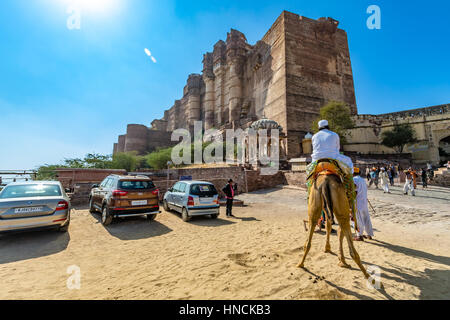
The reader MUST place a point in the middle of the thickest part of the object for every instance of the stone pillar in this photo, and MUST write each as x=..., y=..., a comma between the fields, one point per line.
x=235, y=99
x=115, y=148
x=209, y=100
x=219, y=61
x=136, y=139
x=193, y=104
x=236, y=52
x=121, y=144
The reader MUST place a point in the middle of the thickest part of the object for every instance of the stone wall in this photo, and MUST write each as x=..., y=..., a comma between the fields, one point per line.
x=295, y=178
x=431, y=125
x=69, y=178
x=318, y=70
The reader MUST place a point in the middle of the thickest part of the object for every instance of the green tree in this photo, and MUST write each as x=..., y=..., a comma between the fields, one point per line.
x=47, y=172
x=339, y=118
x=127, y=161
x=159, y=158
x=98, y=161
x=399, y=137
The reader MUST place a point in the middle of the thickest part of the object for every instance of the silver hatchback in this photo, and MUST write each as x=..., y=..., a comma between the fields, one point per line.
x=34, y=205
x=193, y=198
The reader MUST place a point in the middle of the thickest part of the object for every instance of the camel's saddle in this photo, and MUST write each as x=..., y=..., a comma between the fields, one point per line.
x=332, y=167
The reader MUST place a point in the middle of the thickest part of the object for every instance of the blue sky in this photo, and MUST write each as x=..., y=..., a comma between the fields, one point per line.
x=65, y=93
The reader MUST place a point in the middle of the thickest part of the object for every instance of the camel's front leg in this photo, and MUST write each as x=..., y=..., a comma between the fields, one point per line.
x=314, y=212
x=329, y=228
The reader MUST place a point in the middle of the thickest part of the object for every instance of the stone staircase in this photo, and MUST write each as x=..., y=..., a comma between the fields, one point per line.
x=441, y=178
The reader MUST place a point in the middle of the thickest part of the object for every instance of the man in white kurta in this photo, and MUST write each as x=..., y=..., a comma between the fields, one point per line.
x=409, y=184
x=326, y=145
x=362, y=209
x=384, y=180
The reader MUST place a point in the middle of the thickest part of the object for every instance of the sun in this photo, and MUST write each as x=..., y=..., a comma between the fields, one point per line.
x=96, y=5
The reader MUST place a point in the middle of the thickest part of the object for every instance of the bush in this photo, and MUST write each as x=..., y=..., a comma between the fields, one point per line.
x=158, y=159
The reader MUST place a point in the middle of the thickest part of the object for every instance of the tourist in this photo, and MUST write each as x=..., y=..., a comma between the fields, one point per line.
x=391, y=173
x=373, y=178
x=368, y=174
x=229, y=191
x=362, y=210
x=424, y=175
x=409, y=184
x=414, y=176
x=384, y=180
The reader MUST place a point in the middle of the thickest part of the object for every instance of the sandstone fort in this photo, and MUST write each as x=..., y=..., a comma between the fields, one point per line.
x=284, y=79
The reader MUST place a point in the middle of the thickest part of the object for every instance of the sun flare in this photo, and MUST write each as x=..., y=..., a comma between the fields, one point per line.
x=95, y=5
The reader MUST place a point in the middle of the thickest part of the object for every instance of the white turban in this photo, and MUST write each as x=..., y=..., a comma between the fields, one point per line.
x=323, y=124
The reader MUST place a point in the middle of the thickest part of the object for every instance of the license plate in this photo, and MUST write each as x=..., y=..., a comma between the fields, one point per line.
x=139, y=203
x=206, y=200
x=28, y=210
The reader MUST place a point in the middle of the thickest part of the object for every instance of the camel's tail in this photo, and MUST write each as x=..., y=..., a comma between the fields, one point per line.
x=327, y=201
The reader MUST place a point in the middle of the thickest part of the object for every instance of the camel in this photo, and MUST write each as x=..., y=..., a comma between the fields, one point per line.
x=328, y=194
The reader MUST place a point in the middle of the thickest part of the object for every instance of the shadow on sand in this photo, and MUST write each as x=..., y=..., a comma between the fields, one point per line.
x=32, y=244
x=438, y=279
x=134, y=228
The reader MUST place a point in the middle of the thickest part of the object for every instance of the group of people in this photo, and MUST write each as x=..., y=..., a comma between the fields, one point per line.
x=387, y=177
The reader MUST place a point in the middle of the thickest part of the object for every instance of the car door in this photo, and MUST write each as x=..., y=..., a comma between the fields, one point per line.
x=101, y=192
x=180, y=195
x=171, y=195
x=96, y=193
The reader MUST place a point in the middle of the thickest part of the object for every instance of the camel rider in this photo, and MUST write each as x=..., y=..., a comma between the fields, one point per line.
x=326, y=145
x=326, y=152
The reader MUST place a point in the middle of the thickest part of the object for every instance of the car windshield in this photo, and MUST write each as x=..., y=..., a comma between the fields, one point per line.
x=31, y=190
x=136, y=185
x=203, y=190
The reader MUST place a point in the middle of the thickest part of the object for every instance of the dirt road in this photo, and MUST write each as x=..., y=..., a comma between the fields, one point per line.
x=251, y=257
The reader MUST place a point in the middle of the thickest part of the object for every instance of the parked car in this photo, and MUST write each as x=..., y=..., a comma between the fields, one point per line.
x=192, y=198
x=124, y=196
x=34, y=205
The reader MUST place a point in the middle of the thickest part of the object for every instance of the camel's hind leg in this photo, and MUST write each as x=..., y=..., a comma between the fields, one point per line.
x=346, y=230
x=342, y=262
x=329, y=228
x=314, y=212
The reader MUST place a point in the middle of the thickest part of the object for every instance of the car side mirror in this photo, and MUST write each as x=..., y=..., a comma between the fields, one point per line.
x=94, y=186
x=170, y=190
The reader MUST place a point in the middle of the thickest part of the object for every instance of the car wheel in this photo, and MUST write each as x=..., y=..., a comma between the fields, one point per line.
x=91, y=206
x=185, y=215
x=166, y=206
x=151, y=217
x=106, y=216
x=214, y=216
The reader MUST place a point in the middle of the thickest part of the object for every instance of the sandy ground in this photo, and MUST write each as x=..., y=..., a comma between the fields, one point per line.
x=251, y=257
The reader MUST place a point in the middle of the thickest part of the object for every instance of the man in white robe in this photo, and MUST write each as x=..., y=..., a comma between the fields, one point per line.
x=326, y=145
x=409, y=184
x=384, y=180
x=362, y=209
